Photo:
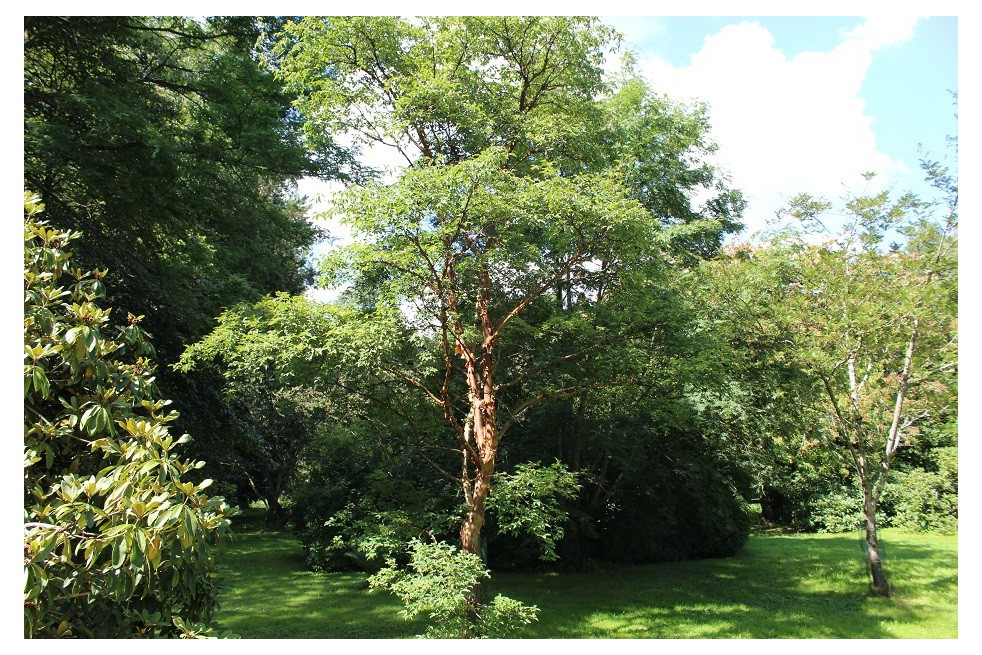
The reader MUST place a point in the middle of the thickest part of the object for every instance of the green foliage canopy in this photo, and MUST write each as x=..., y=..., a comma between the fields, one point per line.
x=167, y=143
x=281, y=361
x=170, y=145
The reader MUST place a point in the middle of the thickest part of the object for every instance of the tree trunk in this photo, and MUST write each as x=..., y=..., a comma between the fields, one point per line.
x=880, y=585
x=470, y=529
x=479, y=371
x=275, y=514
x=481, y=396
x=772, y=505
x=470, y=537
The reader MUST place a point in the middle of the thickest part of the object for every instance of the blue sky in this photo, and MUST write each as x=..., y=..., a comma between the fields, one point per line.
x=906, y=85
x=809, y=103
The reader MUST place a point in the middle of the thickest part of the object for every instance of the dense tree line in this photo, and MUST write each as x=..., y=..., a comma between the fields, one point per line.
x=168, y=143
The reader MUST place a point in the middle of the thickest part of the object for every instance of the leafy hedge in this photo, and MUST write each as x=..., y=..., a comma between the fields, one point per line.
x=921, y=493
x=683, y=512
x=354, y=507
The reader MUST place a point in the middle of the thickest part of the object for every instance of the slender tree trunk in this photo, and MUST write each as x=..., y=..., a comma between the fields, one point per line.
x=880, y=585
x=470, y=529
x=871, y=493
x=275, y=485
x=479, y=371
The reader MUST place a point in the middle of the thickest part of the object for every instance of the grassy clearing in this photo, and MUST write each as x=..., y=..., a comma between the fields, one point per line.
x=780, y=585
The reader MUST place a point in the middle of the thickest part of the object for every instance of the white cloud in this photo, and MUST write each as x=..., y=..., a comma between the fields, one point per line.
x=880, y=31
x=786, y=125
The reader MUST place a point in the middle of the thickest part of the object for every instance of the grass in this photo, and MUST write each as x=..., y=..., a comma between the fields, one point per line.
x=778, y=586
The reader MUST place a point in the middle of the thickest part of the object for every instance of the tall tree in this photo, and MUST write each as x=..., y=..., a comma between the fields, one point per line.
x=513, y=198
x=169, y=144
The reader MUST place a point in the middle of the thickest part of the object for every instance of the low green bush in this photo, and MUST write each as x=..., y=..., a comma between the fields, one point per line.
x=528, y=503
x=921, y=500
x=440, y=581
x=839, y=509
x=815, y=493
x=353, y=510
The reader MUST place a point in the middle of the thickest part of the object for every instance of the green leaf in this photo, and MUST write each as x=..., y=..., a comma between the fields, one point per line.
x=95, y=419
x=119, y=552
x=41, y=382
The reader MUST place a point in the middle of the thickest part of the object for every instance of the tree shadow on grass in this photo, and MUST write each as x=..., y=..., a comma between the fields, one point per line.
x=806, y=586
x=267, y=593
x=779, y=586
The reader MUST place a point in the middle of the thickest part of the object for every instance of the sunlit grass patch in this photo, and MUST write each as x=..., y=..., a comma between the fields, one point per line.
x=778, y=586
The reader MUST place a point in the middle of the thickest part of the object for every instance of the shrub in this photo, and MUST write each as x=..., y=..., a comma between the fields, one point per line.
x=921, y=500
x=440, y=581
x=678, y=512
x=355, y=508
x=921, y=492
x=361, y=537
x=838, y=509
x=116, y=543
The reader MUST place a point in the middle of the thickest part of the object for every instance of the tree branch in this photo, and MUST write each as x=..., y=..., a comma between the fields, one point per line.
x=567, y=392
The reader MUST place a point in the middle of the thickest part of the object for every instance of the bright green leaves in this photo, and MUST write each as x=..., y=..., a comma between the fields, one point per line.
x=327, y=58
x=283, y=361
x=95, y=420
x=865, y=221
x=436, y=226
x=287, y=337
x=439, y=582
x=119, y=553
x=529, y=501
x=110, y=527
x=446, y=88
x=35, y=380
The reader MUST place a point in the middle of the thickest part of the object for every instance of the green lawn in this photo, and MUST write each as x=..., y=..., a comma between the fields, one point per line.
x=779, y=585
